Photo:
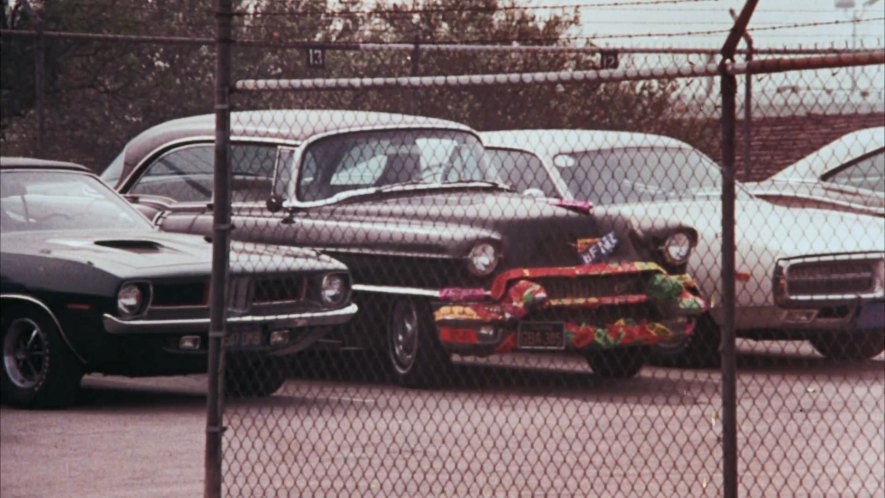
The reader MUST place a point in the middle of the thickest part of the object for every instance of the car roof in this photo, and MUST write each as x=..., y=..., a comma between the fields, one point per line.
x=9, y=162
x=556, y=141
x=294, y=125
x=835, y=153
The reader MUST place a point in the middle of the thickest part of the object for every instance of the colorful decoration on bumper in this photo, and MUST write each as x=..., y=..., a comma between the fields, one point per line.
x=664, y=289
x=475, y=312
x=524, y=295
x=583, y=207
x=624, y=332
x=460, y=294
x=514, y=296
x=502, y=281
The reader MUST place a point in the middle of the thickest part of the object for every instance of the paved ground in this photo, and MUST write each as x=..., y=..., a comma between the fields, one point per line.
x=520, y=426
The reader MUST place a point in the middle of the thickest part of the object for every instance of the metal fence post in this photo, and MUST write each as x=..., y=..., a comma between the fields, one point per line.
x=39, y=77
x=415, y=69
x=729, y=365
x=220, y=252
x=748, y=101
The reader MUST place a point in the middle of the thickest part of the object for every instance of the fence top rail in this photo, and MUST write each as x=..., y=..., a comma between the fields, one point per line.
x=603, y=75
x=425, y=46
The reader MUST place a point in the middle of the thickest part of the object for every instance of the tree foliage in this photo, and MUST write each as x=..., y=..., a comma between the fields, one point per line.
x=99, y=94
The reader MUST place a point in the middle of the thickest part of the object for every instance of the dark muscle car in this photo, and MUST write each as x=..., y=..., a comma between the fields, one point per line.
x=445, y=258
x=87, y=284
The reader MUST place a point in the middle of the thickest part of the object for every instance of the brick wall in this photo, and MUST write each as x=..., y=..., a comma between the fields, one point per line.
x=778, y=142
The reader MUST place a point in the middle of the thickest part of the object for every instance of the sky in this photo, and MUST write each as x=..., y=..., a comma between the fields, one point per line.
x=608, y=20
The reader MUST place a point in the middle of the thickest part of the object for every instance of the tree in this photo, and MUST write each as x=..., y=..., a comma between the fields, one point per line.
x=101, y=93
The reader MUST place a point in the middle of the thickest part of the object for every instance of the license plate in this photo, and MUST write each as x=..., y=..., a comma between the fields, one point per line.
x=541, y=335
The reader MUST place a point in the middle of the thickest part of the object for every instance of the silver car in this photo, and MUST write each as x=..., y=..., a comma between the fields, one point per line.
x=847, y=174
x=801, y=273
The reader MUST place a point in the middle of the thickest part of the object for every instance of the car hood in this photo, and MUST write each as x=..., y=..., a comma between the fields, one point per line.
x=441, y=224
x=134, y=253
x=778, y=231
x=532, y=232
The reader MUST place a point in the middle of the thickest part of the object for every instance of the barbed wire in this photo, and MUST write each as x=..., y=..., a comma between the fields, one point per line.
x=408, y=46
x=466, y=8
x=589, y=38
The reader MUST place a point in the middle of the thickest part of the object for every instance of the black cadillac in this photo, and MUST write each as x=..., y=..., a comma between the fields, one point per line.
x=87, y=284
x=445, y=258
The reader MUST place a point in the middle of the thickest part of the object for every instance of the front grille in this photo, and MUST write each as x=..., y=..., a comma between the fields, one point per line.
x=830, y=277
x=593, y=286
x=171, y=295
x=597, y=316
x=278, y=290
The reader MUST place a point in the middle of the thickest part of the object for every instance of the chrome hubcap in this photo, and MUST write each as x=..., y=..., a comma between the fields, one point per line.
x=25, y=353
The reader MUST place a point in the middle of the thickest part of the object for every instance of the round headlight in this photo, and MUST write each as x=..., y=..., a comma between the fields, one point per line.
x=677, y=248
x=130, y=299
x=482, y=259
x=333, y=289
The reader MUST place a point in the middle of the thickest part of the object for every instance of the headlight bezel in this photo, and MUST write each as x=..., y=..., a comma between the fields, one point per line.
x=343, y=289
x=483, y=259
x=680, y=241
x=139, y=295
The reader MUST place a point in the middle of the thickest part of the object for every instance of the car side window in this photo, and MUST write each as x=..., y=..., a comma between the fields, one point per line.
x=867, y=173
x=186, y=174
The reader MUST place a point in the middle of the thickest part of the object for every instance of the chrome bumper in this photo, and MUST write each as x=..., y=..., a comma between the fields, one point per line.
x=114, y=325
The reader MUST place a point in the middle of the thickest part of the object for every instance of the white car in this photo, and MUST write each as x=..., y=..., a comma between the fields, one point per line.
x=847, y=174
x=800, y=273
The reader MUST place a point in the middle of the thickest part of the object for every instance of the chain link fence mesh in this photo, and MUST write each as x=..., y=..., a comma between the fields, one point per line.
x=526, y=321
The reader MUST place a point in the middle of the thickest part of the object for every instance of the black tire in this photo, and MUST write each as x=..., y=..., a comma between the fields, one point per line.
x=850, y=346
x=253, y=376
x=699, y=350
x=414, y=353
x=617, y=363
x=39, y=370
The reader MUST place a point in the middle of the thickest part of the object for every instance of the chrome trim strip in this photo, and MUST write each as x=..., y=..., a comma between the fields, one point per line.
x=816, y=198
x=61, y=331
x=114, y=325
x=379, y=252
x=834, y=297
x=385, y=289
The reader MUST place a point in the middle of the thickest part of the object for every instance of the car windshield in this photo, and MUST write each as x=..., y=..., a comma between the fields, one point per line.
x=61, y=200
x=384, y=158
x=639, y=174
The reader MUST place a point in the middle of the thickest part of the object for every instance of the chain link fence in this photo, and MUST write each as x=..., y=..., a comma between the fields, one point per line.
x=538, y=266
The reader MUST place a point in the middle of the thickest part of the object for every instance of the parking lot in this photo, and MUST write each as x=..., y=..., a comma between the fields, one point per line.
x=338, y=431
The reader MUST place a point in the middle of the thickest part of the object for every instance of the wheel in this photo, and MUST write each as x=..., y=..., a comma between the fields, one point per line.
x=850, y=346
x=39, y=370
x=413, y=348
x=699, y=350
x=617, y=363
x=253, y=376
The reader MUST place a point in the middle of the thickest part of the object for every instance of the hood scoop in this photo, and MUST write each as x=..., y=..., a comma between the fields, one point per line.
x=134, y=245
